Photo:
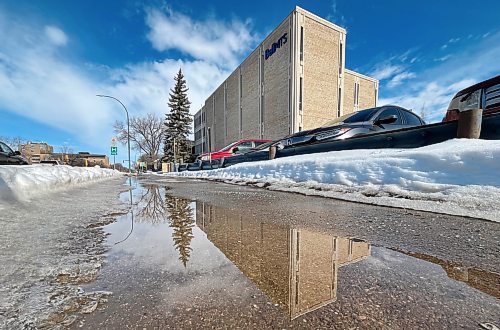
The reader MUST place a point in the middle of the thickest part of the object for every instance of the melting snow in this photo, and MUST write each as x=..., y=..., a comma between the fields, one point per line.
x=21, y=182
x=460, y=177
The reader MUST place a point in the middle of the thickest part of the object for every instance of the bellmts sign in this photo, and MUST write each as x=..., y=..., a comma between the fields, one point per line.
x=281, y=41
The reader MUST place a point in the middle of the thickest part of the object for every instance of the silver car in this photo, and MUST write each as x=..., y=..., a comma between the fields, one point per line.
x=362, y=122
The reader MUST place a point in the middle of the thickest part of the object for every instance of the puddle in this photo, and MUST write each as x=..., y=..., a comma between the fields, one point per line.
x=179, y=263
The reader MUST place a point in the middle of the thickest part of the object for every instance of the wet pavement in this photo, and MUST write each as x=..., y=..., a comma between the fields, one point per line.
x=204, y=255
x=48, y=246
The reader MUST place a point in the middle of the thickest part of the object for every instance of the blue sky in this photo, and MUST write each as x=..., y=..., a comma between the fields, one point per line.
x=56, y=55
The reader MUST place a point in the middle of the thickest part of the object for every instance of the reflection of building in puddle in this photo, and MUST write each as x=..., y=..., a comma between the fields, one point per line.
x=482, y=280
x=296, y=268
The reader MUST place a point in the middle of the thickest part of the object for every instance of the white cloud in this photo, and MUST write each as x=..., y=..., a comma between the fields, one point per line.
x=399, y=78
x=56, y=35
x=386, y=70
x=39, y=83
x=442, y=58
x=146, y=86
x=432, y=96
x=335, y=17
x=449, y=42
x=211, y=40
x=434, y=84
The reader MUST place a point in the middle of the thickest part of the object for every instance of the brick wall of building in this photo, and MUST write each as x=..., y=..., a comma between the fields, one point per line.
x=349, y=83
x=261, y=97
x=233, y=107
x=220, y=132
x=276, y=110
x=250, y=96
x=321, y=73
x=367, y=90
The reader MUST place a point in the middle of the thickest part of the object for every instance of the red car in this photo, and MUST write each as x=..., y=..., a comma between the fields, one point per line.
x=233, y=148
x=484, y=95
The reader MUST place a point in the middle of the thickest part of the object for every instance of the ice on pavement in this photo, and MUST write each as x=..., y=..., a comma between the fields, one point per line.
x=21, y=182
x=459, y=177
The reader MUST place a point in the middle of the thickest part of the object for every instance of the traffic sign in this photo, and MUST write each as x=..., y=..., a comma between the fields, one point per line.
x=114, y=140
x=114, y=151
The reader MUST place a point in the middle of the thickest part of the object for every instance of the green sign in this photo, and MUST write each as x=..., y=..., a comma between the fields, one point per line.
x=114, y=151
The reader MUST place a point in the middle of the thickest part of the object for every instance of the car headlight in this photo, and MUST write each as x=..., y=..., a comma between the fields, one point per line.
x=204, y=157
x=331, y=133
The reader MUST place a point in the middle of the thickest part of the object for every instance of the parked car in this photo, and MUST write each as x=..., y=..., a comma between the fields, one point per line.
x=50, y=162
x=10, y=157
x=362, y=122
x=255, y=154
x=233, y=148
x=484, y=95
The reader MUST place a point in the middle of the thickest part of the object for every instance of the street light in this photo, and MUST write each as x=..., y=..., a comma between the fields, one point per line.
x=128, y=128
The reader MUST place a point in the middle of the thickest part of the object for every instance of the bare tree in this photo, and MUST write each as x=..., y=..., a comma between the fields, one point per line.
x=423, y=113
x=13, y=142
x=152, y=206
x=146, y=134
x=65, y=149
x=65, y=155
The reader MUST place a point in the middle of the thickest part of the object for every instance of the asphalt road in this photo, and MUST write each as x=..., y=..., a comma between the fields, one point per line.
x=199, y=254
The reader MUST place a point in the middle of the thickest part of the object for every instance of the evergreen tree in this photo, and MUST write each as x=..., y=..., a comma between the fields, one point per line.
x=182, y=222
x=178, y=122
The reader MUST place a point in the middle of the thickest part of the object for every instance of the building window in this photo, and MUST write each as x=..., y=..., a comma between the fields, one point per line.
x=300, y=93
x=301, y=43
x=341, y=57
x=340, y=102
x=356, y=94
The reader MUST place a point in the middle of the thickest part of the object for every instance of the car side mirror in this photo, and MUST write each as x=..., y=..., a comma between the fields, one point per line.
x=17, y=153
x=386, y=120
x=235, y=150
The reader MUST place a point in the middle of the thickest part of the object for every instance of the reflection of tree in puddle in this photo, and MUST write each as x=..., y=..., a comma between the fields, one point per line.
x=296, y=268
x=157, y=207
x=182, y=223
x=151, y=206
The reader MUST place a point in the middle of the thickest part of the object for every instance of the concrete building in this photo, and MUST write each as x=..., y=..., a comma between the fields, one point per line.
x=294, y=80
x=35, y=152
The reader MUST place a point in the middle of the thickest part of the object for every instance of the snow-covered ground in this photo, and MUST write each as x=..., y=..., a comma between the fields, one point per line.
x=460, y=177
x=24, y=182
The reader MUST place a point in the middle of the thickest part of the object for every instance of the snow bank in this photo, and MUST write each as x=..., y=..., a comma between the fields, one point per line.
x=23, y=182
x=460, y=177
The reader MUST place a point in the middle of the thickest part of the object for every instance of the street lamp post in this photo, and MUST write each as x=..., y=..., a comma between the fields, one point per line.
x=128, y=128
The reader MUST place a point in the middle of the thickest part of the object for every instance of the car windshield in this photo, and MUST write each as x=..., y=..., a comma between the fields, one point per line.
x=228, y=147
x=356, y=117
x=260, y=147
x=5, y=148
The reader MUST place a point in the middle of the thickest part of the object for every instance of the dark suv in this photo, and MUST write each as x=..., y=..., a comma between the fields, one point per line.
x=10, y=157
x=484, y=95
